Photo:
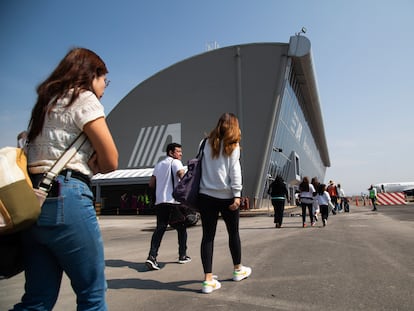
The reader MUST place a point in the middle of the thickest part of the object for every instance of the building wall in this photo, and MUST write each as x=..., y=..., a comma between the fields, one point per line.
x=295, y=153
x=183, y=103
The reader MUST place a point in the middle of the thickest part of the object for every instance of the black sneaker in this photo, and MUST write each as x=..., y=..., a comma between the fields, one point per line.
x=152, y=263
x=184, y=259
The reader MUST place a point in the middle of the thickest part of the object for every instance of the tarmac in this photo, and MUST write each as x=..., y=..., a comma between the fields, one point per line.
x=362, y=260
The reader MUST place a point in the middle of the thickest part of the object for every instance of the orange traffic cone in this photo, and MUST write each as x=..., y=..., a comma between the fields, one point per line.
x=356, y=201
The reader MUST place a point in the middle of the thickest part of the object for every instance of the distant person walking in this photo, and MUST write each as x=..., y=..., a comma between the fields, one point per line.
x=373, y=197
x=341, y=195
x=323, y=199
x=220, y=192
x=278, y=193
x=306, y=200
x=315, y=206
x=333, y=193
x=22, y=140
x=161, y=180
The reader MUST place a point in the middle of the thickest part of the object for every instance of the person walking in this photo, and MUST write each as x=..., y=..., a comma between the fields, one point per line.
x=342, y=205
x=220, y=192
x=373, y=197
x=323, y=199
x=66, y=237
x=278, y=193
x=162, y=183
x=333, y=193
x=306, y=200
x=315, y=206
x=22, y=139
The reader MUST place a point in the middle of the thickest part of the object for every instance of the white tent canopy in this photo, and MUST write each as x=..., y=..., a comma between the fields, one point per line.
x=120, y=177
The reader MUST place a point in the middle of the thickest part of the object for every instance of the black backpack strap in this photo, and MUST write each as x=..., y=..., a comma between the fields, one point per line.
x=200, y=151
x=172, y=175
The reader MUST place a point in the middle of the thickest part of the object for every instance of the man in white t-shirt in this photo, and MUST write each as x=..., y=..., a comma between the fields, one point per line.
x=167, y=173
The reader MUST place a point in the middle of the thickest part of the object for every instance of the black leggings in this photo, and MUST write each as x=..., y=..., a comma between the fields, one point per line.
x=209, y=210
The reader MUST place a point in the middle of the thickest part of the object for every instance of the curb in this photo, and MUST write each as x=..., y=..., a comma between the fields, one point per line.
x=289, y=211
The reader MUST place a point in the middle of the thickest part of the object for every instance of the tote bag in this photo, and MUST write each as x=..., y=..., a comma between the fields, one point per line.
x=182, y=215
x=186, y=191
x=19, y=208
x=19, y=204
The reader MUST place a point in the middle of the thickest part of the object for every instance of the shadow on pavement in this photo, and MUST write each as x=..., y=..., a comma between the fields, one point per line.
x=152, y=285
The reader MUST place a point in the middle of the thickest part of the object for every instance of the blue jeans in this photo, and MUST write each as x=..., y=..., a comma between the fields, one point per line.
x=66, y=238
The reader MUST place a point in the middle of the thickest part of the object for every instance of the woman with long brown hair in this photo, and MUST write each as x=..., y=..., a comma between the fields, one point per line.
x=66, y=237
x=220, y=192
x=306, y=200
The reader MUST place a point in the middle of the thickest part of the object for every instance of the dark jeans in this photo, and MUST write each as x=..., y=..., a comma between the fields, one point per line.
x=163, y=214
x=279, y=208
x=374, y=206
x=209, y=210
x=334, y=201
x=309, y=206
x=324, y=211
x=341, y=204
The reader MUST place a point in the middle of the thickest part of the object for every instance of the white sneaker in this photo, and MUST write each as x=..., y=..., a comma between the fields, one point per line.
x=210, y=286
x=242, y=273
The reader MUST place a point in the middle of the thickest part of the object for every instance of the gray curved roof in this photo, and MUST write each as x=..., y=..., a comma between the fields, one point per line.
x=183, y=102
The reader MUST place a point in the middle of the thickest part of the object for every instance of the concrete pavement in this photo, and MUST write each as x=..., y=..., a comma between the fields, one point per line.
x=363, y=260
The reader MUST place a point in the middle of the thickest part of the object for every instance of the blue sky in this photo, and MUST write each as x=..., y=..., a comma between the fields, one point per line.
x=362, y=52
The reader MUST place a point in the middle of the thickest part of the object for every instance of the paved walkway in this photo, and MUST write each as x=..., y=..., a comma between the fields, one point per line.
x=363, y=260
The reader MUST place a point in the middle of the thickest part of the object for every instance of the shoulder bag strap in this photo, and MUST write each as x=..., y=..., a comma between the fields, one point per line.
x=49, y=176
x=172, y=175
x=201, y=150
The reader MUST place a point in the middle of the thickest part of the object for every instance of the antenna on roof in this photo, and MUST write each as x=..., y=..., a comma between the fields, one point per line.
x=303, y=30
x=212, y=45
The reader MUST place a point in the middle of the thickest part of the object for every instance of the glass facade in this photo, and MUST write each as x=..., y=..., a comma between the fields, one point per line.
x=295, y=153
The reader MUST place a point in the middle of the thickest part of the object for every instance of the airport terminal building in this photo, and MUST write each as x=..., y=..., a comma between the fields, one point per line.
x=270, y=87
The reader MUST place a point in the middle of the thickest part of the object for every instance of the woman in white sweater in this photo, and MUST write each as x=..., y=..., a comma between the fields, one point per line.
x=220, y=191
x=323, y=199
